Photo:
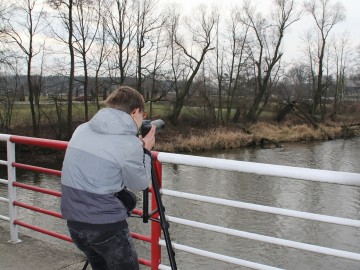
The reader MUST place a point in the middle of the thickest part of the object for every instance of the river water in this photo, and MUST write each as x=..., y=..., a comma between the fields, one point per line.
x=314, y=197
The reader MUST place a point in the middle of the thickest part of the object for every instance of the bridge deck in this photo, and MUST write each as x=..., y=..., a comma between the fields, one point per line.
x=35, y=254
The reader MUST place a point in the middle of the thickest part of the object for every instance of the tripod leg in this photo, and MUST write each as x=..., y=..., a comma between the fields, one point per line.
x=145, y=215
x=164, y=224
x=85, y=265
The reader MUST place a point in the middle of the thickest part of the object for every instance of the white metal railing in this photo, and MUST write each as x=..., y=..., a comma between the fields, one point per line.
x=342, y=178
x=263, y=208
x=262, y=238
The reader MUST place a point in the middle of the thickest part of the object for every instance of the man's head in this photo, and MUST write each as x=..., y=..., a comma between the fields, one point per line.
x=127, y=100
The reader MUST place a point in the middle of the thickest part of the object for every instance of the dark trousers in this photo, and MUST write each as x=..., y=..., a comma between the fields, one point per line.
x=107, y=250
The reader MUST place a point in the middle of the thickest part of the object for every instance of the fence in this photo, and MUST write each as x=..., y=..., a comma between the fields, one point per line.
x=341, y=178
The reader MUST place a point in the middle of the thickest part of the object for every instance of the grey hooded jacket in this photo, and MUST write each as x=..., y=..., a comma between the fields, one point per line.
x=102, y=157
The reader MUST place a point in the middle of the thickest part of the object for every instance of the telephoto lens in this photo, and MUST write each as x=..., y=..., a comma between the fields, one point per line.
x=146, y=126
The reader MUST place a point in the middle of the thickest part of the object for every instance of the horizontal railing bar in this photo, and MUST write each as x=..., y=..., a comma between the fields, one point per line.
x=3, y=162
x=142, y=237
x=38, y=209
x=343, y=178
x=2, y=199
x=37, y=189
x=4, y=181
x=263, y=208
x=42, y=230
x=137, y=212
x=164, y=267
x=267, y=239
x=144, y=262
x=55, y=144
x=220, y=257
x=36, y=168
x=4, y=218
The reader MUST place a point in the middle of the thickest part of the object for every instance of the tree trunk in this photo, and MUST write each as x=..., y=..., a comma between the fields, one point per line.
x=176, y=111
x=72, y=73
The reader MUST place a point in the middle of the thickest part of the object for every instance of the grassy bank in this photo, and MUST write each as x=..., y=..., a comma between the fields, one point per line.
x=189, y=139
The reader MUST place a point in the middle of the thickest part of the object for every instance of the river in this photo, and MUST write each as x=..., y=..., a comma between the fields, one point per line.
x=320, y=198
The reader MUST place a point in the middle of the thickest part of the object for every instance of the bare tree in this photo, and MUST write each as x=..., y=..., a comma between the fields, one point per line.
x=310, y=53
x=22, y=26
x=9, y=88
x=296, y=83
x=6, y=8
x=86, y=25
x=200, y=32
x=157, y=74
x=56, y=115
x=149, y=19
x=237, y=54
x=121, y=26
x=342, y=56
x=65, y=10
x=268, y=37
x=203, y=87
x=325, y=16
x=99, y=55
x=220, y=73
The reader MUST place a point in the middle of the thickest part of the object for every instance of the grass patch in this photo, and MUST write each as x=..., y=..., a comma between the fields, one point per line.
x=292, y=133
x=203, y=140
x=189, y=139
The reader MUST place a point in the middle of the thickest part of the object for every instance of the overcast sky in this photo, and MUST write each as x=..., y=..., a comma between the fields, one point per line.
x=292, y=37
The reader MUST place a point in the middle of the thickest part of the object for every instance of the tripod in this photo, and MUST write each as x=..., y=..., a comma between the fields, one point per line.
x=146, y=216
x=161, y=210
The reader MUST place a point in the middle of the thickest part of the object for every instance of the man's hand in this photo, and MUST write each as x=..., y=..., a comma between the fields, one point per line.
x=149, y=139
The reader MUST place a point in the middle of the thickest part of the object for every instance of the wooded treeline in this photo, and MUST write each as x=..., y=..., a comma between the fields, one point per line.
x=230, y=61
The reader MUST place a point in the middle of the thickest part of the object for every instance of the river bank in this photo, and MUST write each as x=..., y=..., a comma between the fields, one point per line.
x=190, y=139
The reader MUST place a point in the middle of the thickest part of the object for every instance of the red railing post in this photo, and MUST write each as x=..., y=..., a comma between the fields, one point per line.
x=155, y=226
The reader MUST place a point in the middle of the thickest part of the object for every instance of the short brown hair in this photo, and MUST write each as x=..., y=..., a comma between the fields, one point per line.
x=126, y=99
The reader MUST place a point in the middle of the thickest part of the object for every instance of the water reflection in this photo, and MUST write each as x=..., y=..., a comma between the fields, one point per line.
x=320, y=198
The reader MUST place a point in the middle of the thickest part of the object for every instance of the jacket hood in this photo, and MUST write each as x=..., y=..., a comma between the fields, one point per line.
x=113, y=121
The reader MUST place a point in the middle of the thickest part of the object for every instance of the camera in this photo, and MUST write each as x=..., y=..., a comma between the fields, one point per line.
x=146, y=126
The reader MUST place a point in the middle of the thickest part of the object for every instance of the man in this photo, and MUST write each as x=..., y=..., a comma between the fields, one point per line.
x=105, y=155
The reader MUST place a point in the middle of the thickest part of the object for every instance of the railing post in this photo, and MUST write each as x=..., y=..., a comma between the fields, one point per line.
x=14, y=231
x=155, y=226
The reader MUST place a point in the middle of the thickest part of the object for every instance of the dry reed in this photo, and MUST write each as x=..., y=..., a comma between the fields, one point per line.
x=227, y=138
